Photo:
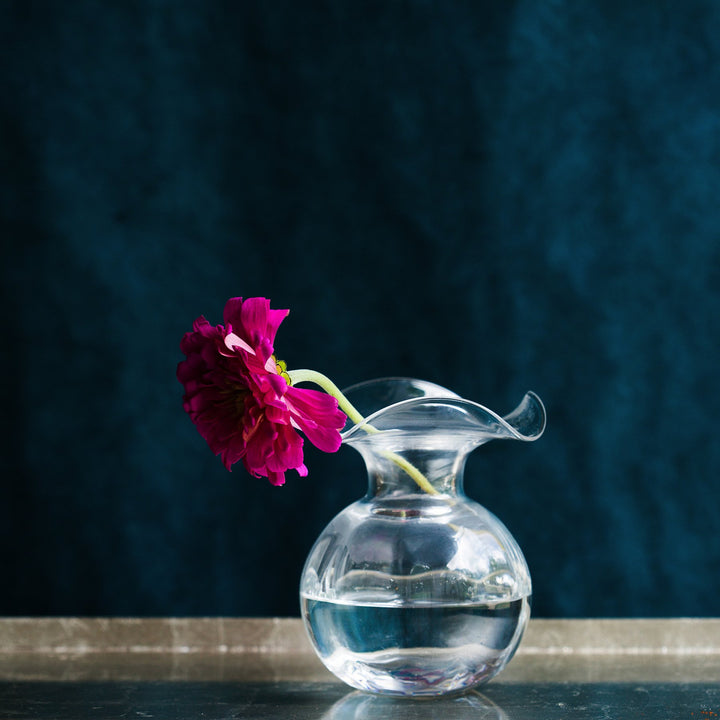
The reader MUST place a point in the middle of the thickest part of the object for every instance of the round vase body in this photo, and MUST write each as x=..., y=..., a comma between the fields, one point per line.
x=416, y=590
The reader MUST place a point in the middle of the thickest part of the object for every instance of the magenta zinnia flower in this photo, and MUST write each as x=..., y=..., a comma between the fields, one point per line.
x=240, y=399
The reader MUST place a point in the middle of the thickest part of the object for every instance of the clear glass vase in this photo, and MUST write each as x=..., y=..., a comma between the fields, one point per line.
x=416, y=590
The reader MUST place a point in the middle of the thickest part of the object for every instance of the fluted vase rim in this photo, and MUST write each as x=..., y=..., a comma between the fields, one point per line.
x=525, y=423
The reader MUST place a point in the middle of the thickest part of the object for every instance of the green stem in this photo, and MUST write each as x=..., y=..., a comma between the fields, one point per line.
x=422, y=482
x=298, y=376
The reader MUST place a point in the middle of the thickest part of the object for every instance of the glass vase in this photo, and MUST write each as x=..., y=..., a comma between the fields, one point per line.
x=416, y=590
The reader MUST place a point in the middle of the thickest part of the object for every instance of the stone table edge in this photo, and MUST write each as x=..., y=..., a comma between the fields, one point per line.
x=287, y=635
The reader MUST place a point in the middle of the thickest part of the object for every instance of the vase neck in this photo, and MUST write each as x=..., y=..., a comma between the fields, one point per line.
x=394, y=473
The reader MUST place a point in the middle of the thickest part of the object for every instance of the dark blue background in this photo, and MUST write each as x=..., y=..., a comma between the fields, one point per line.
x=495, y=196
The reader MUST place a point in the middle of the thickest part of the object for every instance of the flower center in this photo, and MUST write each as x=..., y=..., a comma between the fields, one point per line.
x=281, y=369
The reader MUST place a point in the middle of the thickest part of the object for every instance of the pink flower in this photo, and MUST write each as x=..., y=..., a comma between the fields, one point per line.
x=240, y=399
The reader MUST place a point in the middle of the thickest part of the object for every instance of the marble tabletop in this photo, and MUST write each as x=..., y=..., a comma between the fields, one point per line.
x=68, y=668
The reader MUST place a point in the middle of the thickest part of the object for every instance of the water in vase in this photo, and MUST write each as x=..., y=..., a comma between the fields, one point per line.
x=415, y=649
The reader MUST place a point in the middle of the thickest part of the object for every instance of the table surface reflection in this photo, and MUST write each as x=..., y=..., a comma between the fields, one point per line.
x=71, y=668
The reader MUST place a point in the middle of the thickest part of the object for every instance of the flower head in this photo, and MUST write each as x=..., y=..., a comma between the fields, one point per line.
x=239, y=396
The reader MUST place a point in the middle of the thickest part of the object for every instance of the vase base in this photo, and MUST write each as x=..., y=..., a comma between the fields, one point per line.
x=415, y=651
x=418, y=673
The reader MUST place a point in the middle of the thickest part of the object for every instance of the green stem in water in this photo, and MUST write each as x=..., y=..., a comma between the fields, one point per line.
x=298, y=376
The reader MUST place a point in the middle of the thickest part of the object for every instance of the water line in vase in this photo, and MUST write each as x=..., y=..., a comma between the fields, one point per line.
x=298, y=376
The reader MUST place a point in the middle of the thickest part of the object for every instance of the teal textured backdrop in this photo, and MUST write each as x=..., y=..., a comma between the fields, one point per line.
x=492, y=196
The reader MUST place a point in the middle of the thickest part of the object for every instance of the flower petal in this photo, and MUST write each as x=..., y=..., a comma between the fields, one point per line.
x=233, y=341
x=232, y=313
x=318, y=416
x=259, y=321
